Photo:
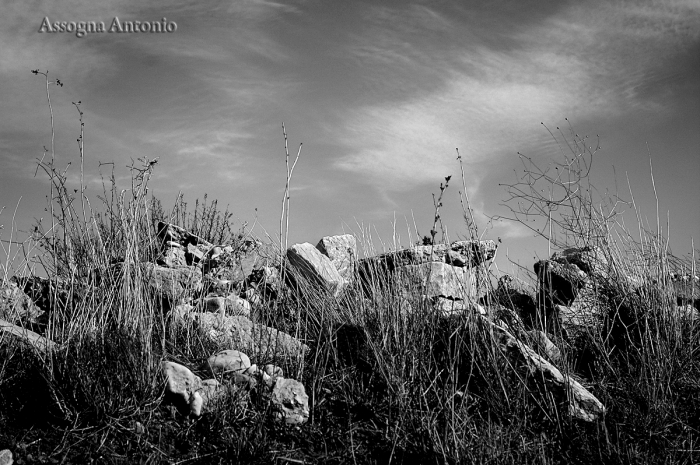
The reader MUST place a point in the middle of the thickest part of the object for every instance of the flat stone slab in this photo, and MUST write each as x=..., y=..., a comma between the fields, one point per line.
x=22, y=335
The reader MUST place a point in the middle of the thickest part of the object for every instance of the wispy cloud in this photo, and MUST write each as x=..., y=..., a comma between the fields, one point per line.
x=580, y=63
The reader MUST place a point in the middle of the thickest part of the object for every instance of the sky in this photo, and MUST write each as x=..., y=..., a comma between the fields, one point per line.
x=381, y=94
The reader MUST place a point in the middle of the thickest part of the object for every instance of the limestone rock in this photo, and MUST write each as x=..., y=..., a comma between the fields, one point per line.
x=438, y=279
x=544, y=345
x=306, y=261
x=559, y=283
x=259, y=341
x=589, y=259
x=290, y=400
x=181, y=386
x=580, y=403
x=173, y=257
x=270, y=374
x=173, y=284
x=273, y=370
x=17, y=306
x=6, y=457
x=471, y=253
x=342, y=250
x=17, y=334
x=228, y=361
x=231, y=305
x=168, y=232
x=449, y=307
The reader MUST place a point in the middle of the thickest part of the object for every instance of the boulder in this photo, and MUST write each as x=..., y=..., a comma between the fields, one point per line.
x=168, y=232
x=270, y=374
x=6, y=457
x=544, y=346
x=13, y=333
x=342, y=250
x=589, y=259
x=290, y=401
x=17, y=306
x=181, y=387
x=49, y=293
x=450, y=307
x=231, y=305
x=585, y=314
x=173, y=284
x=540, y=373
x=559, y=283
x=376, y=272
x=228, y=361
x=240, y=333
x=172, y=257
x=307, y=262
x=194, y=396
x=437, y=279
x=471, y=253
x=211, y=393
x=518, y=300
x=234, y=264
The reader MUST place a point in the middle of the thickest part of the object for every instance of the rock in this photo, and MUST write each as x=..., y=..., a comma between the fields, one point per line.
x=585, y=314
x=509, y=319
x=290, y=400
x=270, y=374
x=544, y=345
x=308, y=263
x=6, y=457
x=273, y=371
x=342, y=250
x=168, y=232
x=228, y=361
x=139, y=429
x=259, y=341
x=173, y=284
x=579, y=402
x=181, y=386
x=173, y=257
x=471, y=253
x=590, y=259
x=449, y=307
x=436, y=279
x=16, y=306
x=558, y=283
x=211, y=393
x=195, y=253
x=235, y=264
x=10, y=332
x=231, y=305
x=49, y=293
x=518, y=300
x=376, y=272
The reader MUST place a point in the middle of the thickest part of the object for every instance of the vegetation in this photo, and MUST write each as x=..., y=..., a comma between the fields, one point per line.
x=386, y=385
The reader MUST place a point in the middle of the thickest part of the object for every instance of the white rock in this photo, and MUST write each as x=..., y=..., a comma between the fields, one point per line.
x=307, y=261
x=228, y=361
x=6, y=457
x=181, y=383
x=290, y=399
x=342, y=250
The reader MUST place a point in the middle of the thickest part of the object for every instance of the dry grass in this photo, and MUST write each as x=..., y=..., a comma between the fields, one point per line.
x=389, y=380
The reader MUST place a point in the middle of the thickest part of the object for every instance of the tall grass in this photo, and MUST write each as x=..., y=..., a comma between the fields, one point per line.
x=390, y=380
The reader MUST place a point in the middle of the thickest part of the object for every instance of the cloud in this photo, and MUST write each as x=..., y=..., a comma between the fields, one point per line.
x=581, y=62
